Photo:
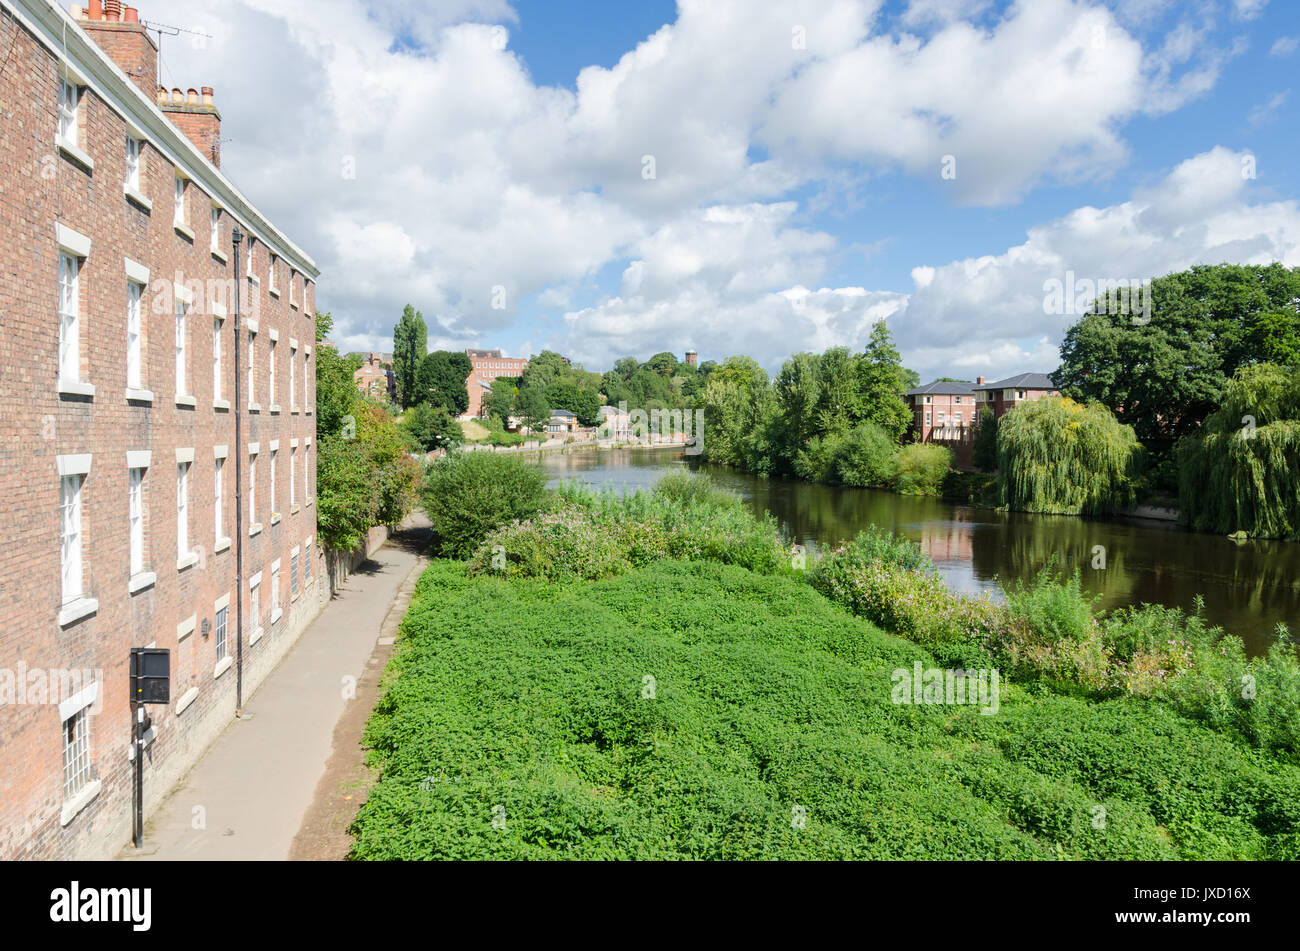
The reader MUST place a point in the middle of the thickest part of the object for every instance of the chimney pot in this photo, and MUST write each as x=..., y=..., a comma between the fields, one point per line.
x=96, y=11
x=207, y=95
x=77, y=12
x=112, y=9
x=131, y=15
x=192, y=97
x=177, y=95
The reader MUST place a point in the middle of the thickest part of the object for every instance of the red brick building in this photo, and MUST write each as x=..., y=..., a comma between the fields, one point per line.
x=1004, y=395
x=126, y=308
x=941, y=410
x=487, y=366
x=376, y=380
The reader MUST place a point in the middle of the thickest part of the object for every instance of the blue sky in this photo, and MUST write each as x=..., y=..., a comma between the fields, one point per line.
x=798, y=193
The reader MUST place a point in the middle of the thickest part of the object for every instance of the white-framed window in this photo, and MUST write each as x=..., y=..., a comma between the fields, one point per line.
x=293, y=356
x=217, y=324
x=181, y=360
x=293, y=283
x=252, y=366
x=252, y=487
x=270, y=367
x=178, y=216
x=135, y=508
x=132, y=181
x=182, y=509
x=255, y=602
x=306, y=564
x=134, y=344
x=69, y=318
x=274, y=454
x=293, y=476
x=69, y=100
x=251, y=273
x=275, y=589
x=71, y=541
x=270, y=276
x=218, y=499
x=214, y=240
x=293, y=574
x=219, y=632
x=76, y=753
x=306, y=470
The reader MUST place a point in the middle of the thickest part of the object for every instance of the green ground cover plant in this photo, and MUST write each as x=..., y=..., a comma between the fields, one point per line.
x=701, y=710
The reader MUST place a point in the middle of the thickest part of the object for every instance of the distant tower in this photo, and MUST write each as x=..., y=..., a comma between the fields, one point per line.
x=691, y=357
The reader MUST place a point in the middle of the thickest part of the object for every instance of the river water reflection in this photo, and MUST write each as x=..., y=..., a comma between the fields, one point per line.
x=1248, y=587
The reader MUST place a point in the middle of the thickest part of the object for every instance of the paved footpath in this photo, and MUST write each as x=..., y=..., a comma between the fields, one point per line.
x=257, y=779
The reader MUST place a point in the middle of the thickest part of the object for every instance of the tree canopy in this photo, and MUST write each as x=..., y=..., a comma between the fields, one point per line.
x=410, y=344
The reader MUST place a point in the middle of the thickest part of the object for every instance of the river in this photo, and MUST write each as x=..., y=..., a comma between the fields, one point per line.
x=1248, y=587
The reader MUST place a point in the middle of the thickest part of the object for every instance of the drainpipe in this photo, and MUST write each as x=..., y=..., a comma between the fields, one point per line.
x=237, y=237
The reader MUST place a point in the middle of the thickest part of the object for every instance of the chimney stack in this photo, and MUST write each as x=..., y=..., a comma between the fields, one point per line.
x=979, y=381
x=118, y=32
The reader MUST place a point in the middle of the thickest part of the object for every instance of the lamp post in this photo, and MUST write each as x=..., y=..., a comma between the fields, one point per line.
x=237, y=238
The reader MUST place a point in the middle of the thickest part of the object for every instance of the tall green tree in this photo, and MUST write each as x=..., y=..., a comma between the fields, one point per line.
x=534, y=411
x=882, y=383
x=500, y=402
x=1165, y=376
x=440, y=381
x=410, y=345
x=984, y=446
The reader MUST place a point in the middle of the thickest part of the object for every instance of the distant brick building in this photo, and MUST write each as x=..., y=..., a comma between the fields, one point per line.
x=118, y=447
x=1005, y=395
x=376, y=379
x=941, y=409
x=487, y=365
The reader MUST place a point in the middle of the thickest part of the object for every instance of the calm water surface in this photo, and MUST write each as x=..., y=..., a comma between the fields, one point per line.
x=1248, y=587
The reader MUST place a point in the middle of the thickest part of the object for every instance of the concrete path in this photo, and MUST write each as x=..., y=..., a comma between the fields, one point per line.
x=257, y=780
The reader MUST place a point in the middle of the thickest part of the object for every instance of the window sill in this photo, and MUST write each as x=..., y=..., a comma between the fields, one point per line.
x=186, y=561
x=144, y=579
x=74, y=153
x=293, y=509
x=254, y=529
x=184, y=232
x=139, y=396
x=219, y=255
x=255, y=407
x=255, y=637
x=76, y=388
x=223, y=665
x=221, y=406
x=76, y=610
x=186, y=699
x=293, y=410
x=78, y=802
x=293, y=303
x=311, y=501
x=273, y=291
x=275, y=518
x=136, y=198
x=184, y=400
x=276, y=614
x=254, y=279
x=275, y=408
x=221, y=545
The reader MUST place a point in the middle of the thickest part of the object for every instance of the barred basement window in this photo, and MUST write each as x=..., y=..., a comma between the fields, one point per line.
x=76, y=753
x=293, y=576
x=220, y=628
x=307, y=562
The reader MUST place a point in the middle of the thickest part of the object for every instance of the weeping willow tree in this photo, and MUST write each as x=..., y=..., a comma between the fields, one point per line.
x=1067, y=458
x=1241, y=472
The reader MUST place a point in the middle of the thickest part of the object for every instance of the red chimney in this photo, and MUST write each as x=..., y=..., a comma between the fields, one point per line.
x=194, y=114
x=124, y=39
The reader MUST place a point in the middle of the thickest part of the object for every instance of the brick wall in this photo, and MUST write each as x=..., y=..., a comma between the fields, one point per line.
x=41, y=187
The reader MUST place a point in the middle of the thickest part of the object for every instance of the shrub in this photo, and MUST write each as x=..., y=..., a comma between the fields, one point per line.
x=467, y=495
x=920, y=468
x=864, y=456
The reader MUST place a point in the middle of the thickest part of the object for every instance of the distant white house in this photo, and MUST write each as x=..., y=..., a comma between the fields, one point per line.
x=614, y=423
x=562, y=421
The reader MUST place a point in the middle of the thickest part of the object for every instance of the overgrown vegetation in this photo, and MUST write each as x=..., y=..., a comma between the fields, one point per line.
x=364, y=475
x=698, y=710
